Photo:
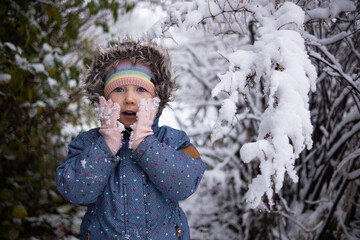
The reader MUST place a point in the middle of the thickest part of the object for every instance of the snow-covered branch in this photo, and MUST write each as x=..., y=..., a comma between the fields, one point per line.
x=335, y=66
x=278, y=57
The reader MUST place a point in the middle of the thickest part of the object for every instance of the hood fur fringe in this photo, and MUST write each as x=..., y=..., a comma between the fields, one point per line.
x=146, y=52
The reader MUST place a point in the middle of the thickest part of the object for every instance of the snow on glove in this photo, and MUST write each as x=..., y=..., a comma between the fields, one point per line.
x=111, y=129
x=145, y=117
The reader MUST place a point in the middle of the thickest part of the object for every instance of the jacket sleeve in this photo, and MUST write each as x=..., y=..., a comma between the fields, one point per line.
x=175, y=174
x=82, y=178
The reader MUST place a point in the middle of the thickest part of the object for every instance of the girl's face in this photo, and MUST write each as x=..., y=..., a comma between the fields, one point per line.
x=128, y=97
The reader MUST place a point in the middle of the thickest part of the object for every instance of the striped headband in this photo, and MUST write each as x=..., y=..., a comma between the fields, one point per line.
x=125, y=73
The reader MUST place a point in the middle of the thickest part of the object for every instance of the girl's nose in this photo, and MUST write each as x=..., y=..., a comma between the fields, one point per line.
x=130, y=98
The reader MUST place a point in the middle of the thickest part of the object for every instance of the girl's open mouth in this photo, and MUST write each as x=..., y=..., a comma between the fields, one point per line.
x=129, y=114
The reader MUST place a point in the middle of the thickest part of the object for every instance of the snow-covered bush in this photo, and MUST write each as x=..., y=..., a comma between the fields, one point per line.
x=43, y=53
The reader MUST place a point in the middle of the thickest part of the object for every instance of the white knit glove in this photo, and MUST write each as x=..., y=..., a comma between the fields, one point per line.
x=111, y=129
x=145, y=117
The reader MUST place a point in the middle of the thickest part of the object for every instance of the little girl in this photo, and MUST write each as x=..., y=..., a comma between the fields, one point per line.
x=130, y=172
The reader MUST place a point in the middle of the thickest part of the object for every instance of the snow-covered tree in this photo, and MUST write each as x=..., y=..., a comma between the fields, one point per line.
x=271, y=89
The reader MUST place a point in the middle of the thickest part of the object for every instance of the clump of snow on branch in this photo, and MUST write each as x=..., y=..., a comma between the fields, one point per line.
x=226, y=117
x=333, y=9
x=279, y=57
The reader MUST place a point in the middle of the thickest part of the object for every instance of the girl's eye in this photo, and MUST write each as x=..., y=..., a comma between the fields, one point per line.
x=119, y=90
x=140, y=89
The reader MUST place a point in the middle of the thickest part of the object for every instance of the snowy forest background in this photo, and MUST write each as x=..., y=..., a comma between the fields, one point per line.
x=269, y=92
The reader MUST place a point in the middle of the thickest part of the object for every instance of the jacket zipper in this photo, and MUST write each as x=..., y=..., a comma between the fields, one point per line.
x=178, y=231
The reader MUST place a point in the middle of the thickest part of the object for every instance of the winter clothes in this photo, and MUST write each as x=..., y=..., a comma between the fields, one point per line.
x=131, y=193
x=134, y=194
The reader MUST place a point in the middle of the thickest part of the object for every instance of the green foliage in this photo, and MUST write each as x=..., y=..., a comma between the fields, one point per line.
x=39, y=94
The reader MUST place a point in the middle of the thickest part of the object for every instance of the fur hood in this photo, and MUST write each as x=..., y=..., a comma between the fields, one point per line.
x=146, y=52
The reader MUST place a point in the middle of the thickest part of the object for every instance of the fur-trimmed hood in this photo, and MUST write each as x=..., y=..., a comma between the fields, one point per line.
x=146, y=52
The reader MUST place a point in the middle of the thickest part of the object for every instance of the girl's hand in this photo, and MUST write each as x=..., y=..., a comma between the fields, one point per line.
x=111, y=129
x=145, y=117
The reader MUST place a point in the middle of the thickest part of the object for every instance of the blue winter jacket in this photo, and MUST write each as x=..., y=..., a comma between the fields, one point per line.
x=135, y=194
